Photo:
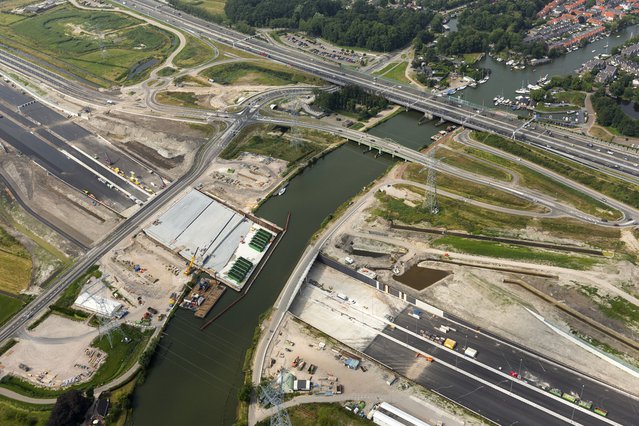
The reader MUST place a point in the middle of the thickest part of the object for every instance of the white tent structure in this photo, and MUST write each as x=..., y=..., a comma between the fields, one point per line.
x=97, y=304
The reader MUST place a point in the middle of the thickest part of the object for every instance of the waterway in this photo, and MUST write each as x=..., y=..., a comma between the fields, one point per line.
x=195, y=375
x=504, y=81
x=631, y=109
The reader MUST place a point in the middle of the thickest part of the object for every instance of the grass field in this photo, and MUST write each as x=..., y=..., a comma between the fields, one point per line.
x=294, y=148
x=456, y=215
x=395, y=71
x=322, y=415
x=181, y=99
x=601, y=133
x=572, y=97
x=195, y=53
x=615, y=307
x=506, y=251
x=471, y=190
x=9, y=306
x=103, y=47
x=471, y=58
x=472, y=165
x=15, y=264
x=120, y=358
x=215, y=7
x=258, y=73
x=16, y=413
x=607, y=185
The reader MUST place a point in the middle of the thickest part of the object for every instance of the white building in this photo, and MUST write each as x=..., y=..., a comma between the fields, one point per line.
x=98, y=305
x=388, y=415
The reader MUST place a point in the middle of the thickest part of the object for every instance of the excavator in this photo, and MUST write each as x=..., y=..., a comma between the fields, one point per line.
x=426, y=357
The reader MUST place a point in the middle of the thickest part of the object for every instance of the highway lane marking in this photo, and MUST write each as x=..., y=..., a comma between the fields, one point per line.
x=457, y=354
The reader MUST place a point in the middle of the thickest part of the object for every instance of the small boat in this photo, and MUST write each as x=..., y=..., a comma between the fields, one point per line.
x=282, y=189
x=594, y=50
x=522, y=91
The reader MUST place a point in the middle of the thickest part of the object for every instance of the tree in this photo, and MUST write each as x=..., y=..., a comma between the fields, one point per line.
x=69, y=409
x=245, y=392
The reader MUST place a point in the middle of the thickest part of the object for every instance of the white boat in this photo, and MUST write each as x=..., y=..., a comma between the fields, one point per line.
x=473, y=84
x=594, y=50
x=282, y=190
x=522, y=91
x=483, y=80
x=461, y=88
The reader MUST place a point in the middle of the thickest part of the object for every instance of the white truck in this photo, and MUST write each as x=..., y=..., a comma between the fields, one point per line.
x=471, y=352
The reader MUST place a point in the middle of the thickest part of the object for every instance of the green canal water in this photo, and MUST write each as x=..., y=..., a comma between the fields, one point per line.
x=195, y=375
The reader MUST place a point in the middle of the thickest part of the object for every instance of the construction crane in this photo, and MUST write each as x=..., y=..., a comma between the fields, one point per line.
x=189, y=268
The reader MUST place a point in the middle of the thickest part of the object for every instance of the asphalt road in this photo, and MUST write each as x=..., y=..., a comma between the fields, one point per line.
x=561, y=141
x=490, y=403
x=59, y=165
x=536, y=371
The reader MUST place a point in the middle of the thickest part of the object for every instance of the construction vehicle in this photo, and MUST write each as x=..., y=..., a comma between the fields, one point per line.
x=450, y=344
x=471, y=352
x=426, y=357
x=189, y=268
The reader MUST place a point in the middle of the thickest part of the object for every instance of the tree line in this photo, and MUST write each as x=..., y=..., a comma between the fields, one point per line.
x=351, y=99
x=362, y=24
x=501, y=25
x=609, y=113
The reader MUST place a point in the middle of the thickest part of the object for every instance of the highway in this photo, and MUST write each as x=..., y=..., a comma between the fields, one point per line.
x=619, y=162
x=485, y=390
x=409, y=154
x=535, y=370
x=202, y=160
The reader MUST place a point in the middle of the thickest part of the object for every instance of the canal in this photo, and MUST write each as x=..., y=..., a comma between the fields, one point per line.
x=195, y=376
x=504, y=81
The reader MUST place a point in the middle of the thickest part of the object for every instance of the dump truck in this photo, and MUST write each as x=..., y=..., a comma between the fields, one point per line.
x=450, y=343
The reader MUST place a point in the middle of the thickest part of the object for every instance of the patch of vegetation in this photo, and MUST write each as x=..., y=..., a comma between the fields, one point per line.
x=166, y=71
x=15, y=265
x=182, y=99
x=322, y=415
x=103, y=47
x=70, y=408
x=610, y=114
x=121, y=400
x=211, y=10
x=572, y=97
x=615, y=307
x=353, y=100
x=120, y=358
x=190, y=80
x=360, y=24
x=9, y=306
x=17, y=413
x=196, y=52
x=607, y=185
x=71, y=293
x=471, y=58
x=10, y=343
x=395, y=71
x=456, y=215
x=207, y=129
x=506, y=251
x=472, y=165
x=257, y=73
x=471, y=190
x=295, y=149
